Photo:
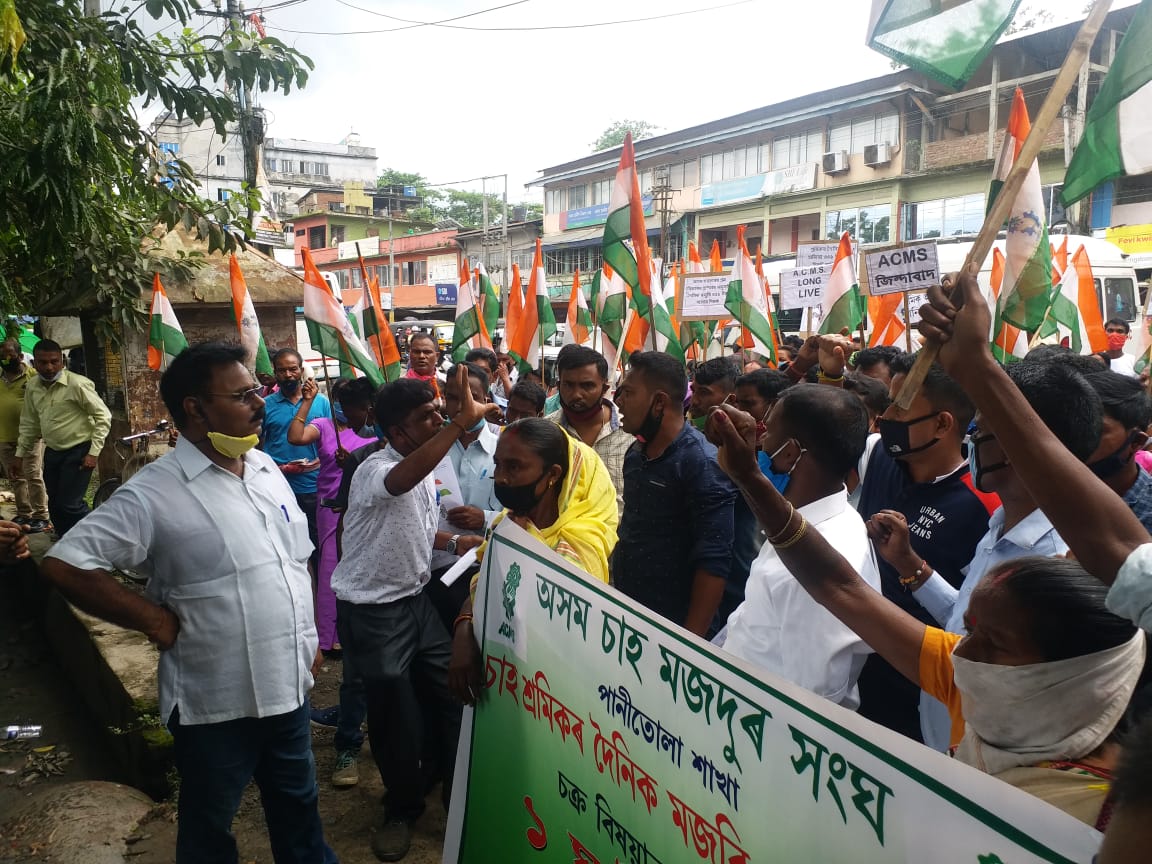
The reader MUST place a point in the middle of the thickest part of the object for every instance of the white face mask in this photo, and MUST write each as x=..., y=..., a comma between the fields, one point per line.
x=1022, y=715
x=51, y=379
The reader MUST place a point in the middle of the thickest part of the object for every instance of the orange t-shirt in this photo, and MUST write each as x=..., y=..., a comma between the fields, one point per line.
x=936, y=675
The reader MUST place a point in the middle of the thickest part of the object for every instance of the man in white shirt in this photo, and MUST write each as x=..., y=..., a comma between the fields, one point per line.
x=387, y=624
x=1117, y=331
x=814, y=436
x=229, y=604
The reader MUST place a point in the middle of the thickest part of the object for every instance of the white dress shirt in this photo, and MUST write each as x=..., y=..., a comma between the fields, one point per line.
x=387, y=538
x=1131, y=594
x=1032, y=535
x=229, y=556
x=780, y=628
x=474, y=469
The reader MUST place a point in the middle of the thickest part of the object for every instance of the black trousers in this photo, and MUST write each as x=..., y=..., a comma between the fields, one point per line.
x=401, y=650
x=307, y=502
x=66, y=482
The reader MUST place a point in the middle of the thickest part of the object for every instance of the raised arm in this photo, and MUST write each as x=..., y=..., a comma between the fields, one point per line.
x=1093, y=520
x=300, y=432
x=885, y=627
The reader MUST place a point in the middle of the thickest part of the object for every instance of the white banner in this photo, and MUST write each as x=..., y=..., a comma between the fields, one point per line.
x=702, y=296
x=803, y=287
x=913, y=267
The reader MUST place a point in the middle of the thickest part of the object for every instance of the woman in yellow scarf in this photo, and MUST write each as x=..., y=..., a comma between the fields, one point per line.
x=558, y=489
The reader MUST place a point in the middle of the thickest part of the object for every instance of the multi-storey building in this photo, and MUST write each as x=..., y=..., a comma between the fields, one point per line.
x=899, y=157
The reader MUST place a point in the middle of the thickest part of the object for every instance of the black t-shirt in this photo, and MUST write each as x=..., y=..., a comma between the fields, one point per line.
x=946, y=519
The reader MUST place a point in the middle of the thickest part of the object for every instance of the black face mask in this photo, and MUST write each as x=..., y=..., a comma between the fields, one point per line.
x=894, y=436
x=1116, y=462
x=290, y=386
x=521, y=499
x=9, y=365
x=651, y=425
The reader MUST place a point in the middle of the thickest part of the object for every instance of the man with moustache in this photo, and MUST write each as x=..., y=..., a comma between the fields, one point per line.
x=586, y=412
x=216, y=527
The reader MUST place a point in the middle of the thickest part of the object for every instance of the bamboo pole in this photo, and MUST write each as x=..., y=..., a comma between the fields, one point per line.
x=371, y=304
x=907, y=325
x=1049, y=111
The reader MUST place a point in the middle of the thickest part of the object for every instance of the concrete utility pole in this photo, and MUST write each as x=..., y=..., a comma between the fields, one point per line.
x=250, y=121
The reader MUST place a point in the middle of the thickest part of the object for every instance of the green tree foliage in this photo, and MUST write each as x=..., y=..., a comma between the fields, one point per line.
x=82, y=184
x=613, y=136
x=465, y=207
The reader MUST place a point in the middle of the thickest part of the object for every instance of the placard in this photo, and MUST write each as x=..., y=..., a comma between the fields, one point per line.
x=701, y=296
x=910, y=267
x=821, y=252
x=803, y=287
x=606, y=733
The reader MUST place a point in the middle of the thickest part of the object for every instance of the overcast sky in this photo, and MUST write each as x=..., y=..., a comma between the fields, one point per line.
x=456, y=103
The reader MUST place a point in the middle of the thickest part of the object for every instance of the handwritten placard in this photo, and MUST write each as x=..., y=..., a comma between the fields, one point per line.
x=702, y=296
x=803, y=287
x=820, y=252
x=913, y=267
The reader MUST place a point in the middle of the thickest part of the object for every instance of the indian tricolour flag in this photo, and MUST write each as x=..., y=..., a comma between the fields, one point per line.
x=165, y=338
x=1075, y=313
x=1009, y=343
x=612, y=312
x=945, y=39
x=747, y=301
x=579, y=330
x=468, y=325
x=1027, y=289
x=329, y=329
x=842, y=303
x=245, y=314
x=371, y=326
x=1118, y=127
x=489, y=299
x=537, y=322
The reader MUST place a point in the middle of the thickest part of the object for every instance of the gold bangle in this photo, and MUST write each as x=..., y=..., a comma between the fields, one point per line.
x=787, y=522
x=795, y=538
x=300, y=419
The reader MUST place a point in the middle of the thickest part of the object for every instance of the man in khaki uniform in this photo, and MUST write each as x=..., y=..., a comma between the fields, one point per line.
x=31, y=499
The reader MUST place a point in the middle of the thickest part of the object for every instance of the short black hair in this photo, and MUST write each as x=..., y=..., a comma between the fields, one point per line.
x=827, y=422
x=794, y=342
x=486, y=355
x=353, y=391
x=769, y=383
x=46, y=346
x=870, y=391
x=530, y=391
x=718, y=370
x=545, y=438
x=276, y=355
x=1085, y=364
x=940, y=389
x=1118, y=322
x=1123, y=399
x=396, y=400
x=889, y=355
x=1066, y=615
x=423, y=334
x=1065, y=401
x=190, y=374
x=579, y=356
x=662, y=372
x=474, y=371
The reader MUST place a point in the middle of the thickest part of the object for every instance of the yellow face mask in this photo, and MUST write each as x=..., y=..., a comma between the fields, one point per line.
x=230, y=446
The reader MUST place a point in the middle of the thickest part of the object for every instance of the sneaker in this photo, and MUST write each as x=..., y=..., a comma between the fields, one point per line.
x=346, y=771
x=392, y=840
x=326, y=718
x=22, y=521
x=39, y=526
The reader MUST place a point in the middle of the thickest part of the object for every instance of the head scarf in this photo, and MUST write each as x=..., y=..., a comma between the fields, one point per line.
x=585, y=530
x=1023, y=715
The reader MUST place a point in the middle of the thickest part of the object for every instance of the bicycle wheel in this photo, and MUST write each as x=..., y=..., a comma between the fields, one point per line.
x=104, y=490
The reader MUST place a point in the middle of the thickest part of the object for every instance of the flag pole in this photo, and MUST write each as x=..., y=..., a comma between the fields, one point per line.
x=1006, y=197
x=907, y=325
x=1036, y=337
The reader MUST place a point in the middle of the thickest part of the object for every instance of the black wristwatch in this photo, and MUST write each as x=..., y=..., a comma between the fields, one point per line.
x=450, y=546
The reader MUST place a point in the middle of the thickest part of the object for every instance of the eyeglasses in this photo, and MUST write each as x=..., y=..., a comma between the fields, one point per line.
x=248, y=395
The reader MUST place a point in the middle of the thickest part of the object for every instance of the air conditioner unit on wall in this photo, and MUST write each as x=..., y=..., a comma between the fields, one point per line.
x=877, y=154
x=836, y=162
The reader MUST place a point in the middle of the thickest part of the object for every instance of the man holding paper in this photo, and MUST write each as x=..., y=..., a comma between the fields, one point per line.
x=387, y=624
